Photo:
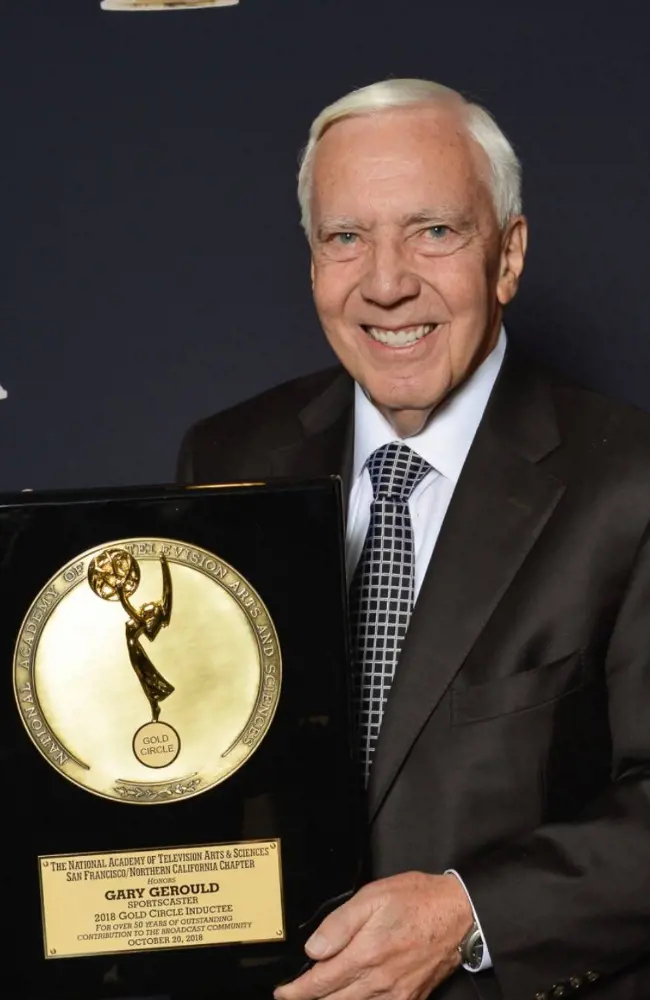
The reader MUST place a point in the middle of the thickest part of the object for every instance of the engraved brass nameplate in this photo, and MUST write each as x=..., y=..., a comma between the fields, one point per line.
x=189, y=897
x=147, y=670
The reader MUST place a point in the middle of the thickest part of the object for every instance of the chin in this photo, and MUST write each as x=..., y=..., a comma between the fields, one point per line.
x=400, y=397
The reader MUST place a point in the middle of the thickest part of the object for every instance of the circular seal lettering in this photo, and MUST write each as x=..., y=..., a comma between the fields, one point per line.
x=147, y=653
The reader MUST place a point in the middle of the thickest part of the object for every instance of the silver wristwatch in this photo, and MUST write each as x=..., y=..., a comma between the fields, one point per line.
x=471, y=949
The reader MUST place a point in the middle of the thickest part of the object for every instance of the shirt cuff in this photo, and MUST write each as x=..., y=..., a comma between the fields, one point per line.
x=486, y=961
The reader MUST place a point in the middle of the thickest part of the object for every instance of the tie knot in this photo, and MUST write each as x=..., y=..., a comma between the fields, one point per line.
x=395, y=471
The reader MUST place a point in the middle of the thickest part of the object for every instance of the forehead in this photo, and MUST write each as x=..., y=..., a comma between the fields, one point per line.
x=419, y=154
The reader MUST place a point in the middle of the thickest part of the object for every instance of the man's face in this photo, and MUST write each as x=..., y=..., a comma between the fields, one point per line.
x=410, y=269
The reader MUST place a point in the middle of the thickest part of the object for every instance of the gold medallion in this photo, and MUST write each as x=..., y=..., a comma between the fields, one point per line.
x=147, y=670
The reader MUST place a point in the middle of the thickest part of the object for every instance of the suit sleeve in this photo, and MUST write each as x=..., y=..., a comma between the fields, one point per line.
x=570, y=903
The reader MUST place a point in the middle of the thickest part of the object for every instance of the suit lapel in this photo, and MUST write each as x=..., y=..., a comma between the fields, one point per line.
x=500, y=505
x=323, y=445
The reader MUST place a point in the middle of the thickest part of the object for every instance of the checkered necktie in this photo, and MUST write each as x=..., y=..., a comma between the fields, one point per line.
x=382, y=590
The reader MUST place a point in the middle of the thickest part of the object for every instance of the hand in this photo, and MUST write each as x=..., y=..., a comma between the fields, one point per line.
x=395, y=939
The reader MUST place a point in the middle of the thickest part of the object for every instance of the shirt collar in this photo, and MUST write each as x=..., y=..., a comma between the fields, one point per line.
x=447, y=437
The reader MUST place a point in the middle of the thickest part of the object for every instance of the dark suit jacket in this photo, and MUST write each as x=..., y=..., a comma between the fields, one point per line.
x=516, y=741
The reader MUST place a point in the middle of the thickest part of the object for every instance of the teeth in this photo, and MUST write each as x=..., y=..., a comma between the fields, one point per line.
x=399, y=338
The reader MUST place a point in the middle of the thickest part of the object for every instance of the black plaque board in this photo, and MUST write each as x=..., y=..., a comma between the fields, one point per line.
x=299, y=786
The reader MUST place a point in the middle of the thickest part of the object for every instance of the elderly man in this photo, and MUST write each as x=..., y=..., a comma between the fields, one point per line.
x=499, y=570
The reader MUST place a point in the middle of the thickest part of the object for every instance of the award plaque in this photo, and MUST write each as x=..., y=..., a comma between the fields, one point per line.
x=180, y=799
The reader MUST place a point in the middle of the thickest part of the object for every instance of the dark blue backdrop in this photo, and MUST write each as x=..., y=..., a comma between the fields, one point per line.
x=153, y=269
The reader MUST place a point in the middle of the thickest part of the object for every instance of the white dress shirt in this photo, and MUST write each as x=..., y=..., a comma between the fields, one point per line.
x=444, y=444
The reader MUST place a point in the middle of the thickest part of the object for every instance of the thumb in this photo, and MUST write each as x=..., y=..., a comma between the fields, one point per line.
x=339, y=927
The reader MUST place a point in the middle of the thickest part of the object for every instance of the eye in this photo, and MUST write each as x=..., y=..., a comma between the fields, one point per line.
x=345, y=239
x=438, y=232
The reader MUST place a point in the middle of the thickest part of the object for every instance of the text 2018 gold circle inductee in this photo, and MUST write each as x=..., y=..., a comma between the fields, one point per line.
x=147, y=670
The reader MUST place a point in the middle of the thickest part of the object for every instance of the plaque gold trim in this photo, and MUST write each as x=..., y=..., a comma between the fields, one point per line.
x=147, y=670
x=161, y=898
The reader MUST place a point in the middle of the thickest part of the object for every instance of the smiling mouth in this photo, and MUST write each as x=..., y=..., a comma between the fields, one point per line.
x=401, y=337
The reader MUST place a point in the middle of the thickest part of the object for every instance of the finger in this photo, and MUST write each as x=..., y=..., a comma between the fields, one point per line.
x=323, y=980
x=356, y=991
x=339, y=927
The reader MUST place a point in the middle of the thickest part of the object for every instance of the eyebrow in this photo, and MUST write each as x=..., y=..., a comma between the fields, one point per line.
x=437, y=216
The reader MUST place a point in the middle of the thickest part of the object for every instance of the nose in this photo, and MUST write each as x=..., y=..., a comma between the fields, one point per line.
x=388, y=279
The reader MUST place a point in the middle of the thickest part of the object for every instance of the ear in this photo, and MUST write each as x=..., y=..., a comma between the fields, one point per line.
x=513, y=254
x=311, y=271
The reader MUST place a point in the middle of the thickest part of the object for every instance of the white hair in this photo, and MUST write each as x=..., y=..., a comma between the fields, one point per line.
x=505, y=180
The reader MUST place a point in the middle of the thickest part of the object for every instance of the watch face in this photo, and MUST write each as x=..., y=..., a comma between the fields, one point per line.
x=476, y=955
x=472, y=952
